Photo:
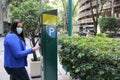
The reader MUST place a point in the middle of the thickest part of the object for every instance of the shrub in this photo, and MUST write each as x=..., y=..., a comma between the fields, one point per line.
x=107, y=23
x=91, y=58
x=63, y=32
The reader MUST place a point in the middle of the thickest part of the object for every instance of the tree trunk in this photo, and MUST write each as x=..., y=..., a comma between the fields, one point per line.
x=97, y=16
x=33, y=42
x=98, y=12
x=95, y=27
x=1, y=18
x=64, y=23
x=93, y=18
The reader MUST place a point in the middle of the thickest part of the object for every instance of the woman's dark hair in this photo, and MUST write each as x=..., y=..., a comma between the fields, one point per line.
x=13, y=29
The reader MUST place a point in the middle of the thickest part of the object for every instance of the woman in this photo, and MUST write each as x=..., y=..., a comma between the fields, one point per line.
x=15, y=53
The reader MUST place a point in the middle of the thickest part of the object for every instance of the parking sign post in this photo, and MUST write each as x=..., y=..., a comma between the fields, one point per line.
x=49, y=44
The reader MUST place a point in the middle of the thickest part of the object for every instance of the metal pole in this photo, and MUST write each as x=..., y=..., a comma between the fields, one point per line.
x=69, y=17
x=42, y=72
x=40, y=10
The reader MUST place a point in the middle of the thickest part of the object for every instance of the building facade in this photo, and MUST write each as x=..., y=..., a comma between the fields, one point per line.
x=85, y=18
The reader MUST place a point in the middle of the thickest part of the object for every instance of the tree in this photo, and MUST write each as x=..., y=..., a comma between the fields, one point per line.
x=75, y=6
x=98, y=10
x=1, y=18
x=14, y=2
x=108, y=23
x=29, y=13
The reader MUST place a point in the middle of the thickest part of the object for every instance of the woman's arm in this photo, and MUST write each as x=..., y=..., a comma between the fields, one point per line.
x=15, y=46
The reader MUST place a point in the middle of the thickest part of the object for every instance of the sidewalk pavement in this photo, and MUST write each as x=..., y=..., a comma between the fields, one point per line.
x=5, y=76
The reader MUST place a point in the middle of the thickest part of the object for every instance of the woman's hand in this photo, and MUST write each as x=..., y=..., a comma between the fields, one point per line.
x=36, y=48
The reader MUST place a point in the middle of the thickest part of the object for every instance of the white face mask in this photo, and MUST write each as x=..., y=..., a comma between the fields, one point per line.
x=19, y=30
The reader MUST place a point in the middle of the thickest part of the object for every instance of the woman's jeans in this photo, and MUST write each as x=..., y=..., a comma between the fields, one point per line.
x=17, y=73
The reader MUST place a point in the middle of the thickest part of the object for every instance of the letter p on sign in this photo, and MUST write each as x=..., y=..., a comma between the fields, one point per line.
x=51, y=31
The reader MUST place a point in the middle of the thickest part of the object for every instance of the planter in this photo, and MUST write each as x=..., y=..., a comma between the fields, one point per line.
x=35, y=69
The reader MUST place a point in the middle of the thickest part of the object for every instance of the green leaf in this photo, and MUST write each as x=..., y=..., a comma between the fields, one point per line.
x=101, y=72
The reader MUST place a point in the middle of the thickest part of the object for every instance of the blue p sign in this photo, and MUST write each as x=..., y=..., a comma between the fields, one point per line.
x=51, y=31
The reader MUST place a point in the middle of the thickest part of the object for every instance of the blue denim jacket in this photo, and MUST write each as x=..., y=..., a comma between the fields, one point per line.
x=15, y=52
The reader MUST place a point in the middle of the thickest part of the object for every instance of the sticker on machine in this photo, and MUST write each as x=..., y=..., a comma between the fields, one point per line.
x=51, y=31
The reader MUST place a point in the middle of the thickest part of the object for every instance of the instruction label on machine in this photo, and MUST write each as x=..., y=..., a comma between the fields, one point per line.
x=51, y=31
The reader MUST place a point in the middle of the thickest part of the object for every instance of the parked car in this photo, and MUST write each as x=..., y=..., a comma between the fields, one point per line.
x=86, y=33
